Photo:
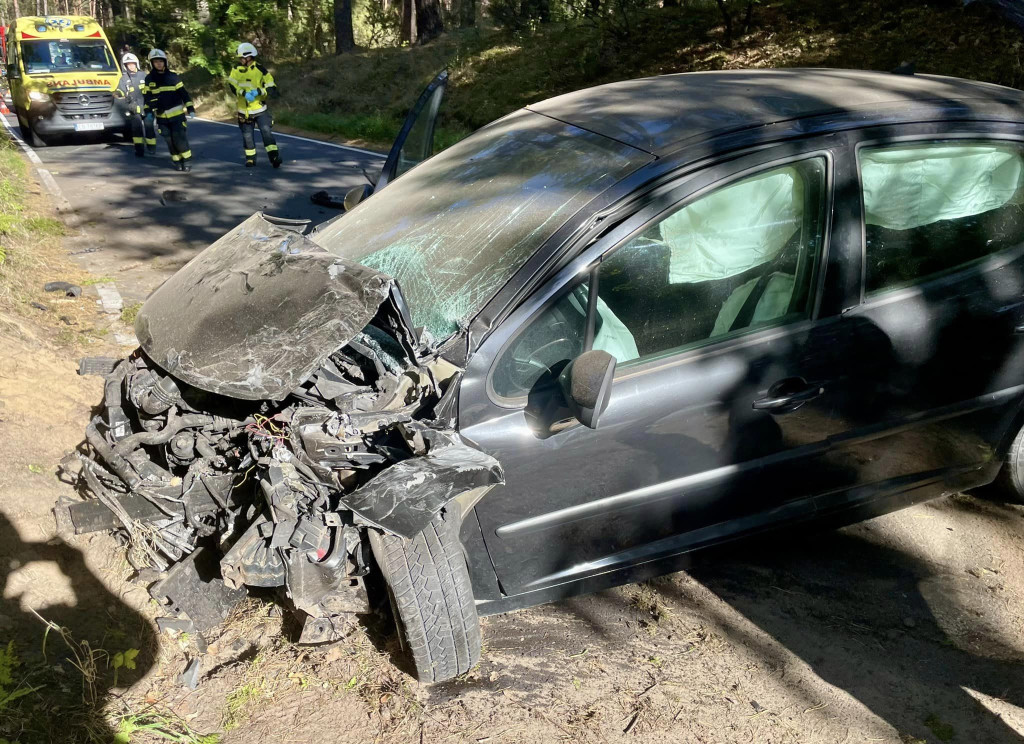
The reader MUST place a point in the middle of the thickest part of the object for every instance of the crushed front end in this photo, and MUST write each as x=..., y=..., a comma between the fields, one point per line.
x=279, y=408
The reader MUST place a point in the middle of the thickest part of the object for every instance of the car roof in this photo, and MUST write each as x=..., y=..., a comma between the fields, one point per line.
x=656, y=113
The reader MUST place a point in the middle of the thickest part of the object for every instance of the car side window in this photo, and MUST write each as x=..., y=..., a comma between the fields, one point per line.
x=934, y=207
x=742, y=257
x=538, y=353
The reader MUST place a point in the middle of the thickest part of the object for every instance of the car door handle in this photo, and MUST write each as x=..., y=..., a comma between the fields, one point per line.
x=788, y=399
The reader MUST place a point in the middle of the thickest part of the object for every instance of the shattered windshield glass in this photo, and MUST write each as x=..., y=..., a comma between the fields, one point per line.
x=453, y=230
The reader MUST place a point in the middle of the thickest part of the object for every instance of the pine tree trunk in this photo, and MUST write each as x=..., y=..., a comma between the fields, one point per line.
x=344, y=41
x=409, y=21
x=727, y=18
x=467, y=13
x=429, y=24
x=318, y=32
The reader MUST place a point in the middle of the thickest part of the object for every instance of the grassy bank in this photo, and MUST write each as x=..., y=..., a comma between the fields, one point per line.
x=363, y=97
x=32, y=254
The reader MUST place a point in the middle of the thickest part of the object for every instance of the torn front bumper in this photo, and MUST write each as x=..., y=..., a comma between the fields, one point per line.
x=278, y=410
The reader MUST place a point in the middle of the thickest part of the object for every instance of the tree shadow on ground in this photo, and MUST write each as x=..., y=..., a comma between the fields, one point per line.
x=871, y=620
x=72, y=672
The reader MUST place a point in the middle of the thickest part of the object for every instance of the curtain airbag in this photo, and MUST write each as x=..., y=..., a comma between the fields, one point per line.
x=907, y=187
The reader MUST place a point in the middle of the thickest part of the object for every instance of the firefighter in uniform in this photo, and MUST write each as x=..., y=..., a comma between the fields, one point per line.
x=131, y=87
x=169, y=102
x=250, y=83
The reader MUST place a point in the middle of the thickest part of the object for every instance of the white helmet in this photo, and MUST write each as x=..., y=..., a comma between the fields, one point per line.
x=129, y=57
x=245, y=49
x=156, y=54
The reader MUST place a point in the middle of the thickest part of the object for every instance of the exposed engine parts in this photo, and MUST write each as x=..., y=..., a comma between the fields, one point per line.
x=216, y=492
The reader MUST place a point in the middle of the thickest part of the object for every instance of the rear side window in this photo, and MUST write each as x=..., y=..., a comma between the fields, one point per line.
x=931, y=208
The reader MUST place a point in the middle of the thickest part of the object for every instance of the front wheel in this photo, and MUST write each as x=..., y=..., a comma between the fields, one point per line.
x=1010, y=481
x=432, y=598
x=30, y=136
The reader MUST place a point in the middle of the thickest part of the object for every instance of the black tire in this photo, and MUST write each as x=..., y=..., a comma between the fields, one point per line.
x=1010, y=481
x=34, y=139
x=432, y=598
x=25, y=129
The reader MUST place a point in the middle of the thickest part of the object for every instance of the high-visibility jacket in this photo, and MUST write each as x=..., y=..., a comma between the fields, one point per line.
x=166, y=95
x=132, y=86
x=254, y=77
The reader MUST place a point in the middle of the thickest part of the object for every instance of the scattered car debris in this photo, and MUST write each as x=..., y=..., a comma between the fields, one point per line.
x=39, y=306
x=69, y=289
x=279, y=408
x=190, y=677
x=172, y=196
x=324, y=199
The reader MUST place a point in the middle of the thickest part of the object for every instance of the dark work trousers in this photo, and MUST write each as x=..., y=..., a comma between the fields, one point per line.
x=264, y=121
x=143, y=134
x=174, y=130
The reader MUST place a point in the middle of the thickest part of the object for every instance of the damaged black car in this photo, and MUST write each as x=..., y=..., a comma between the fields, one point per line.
x=596, y=335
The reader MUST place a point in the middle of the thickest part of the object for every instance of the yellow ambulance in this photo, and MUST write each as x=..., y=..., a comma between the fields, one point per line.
x=63, y=74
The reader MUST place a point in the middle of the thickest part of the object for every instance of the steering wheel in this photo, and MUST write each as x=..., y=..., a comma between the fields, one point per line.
x=527, y=370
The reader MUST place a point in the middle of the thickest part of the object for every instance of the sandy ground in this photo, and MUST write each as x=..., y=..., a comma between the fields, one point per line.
x=907, y=628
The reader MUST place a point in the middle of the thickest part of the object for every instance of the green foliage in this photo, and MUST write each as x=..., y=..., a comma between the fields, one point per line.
x=376, y=26
x=151, y=724
x=206, y=39
x=128, y=314
x=10, y=687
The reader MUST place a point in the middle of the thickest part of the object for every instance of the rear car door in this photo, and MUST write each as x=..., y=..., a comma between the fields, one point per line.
x=937, y=351
x=710, y=298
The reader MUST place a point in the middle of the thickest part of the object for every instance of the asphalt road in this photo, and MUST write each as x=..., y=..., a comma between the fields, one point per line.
x=142, y=220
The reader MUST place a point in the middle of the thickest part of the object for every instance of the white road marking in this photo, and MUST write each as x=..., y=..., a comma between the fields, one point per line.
x=380, y=155
x=63, y=205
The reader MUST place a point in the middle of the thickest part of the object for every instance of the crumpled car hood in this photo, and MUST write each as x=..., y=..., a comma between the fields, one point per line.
x=256, y=313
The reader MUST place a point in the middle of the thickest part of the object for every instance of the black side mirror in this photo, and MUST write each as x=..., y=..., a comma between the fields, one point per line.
x=356, y=195
x=12, y=72
x=586, y=383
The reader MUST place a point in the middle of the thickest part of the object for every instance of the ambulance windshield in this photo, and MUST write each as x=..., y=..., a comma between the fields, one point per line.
x=67, y=55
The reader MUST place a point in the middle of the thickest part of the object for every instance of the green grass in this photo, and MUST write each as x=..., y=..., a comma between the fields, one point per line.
x=943, y=731
x=129, y=312
x=365, y=96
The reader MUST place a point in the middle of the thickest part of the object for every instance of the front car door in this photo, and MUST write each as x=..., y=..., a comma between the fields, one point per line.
x=415, y=140
x=710, y=298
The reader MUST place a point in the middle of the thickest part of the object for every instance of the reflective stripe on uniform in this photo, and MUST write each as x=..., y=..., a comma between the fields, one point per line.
x=137, y=140
x=270, y=148
x=175, y=157
x=186, y=155
x=151, y=142
x=168, y=88
x=167, y=114
x=250, y=153
x=252, y=112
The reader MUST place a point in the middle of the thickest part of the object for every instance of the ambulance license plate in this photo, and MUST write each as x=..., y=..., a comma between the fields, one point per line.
x=88, y=126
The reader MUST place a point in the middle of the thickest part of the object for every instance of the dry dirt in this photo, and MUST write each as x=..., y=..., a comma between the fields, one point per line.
x=904, y=629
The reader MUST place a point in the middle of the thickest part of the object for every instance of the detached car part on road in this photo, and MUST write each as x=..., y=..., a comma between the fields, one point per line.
x=598, y=334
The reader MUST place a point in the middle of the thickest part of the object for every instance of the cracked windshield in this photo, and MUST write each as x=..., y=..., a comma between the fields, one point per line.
x=453, y=230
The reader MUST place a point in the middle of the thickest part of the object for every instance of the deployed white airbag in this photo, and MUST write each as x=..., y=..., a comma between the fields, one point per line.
x=735, y=228
x=613, y=336
x=907, y=187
